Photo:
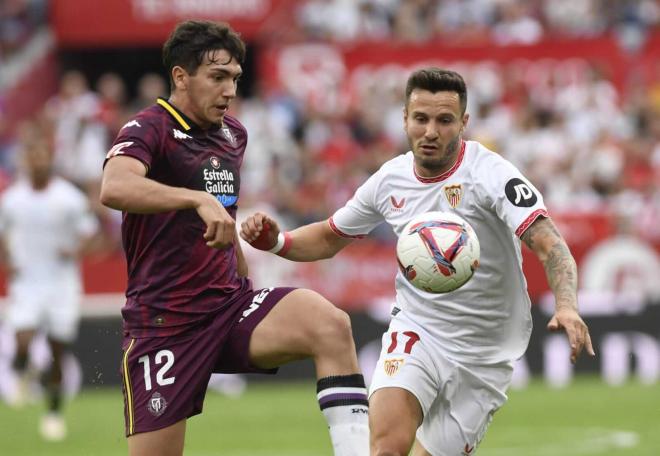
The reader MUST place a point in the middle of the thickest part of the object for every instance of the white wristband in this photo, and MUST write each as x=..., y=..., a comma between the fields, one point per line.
x=279, y=244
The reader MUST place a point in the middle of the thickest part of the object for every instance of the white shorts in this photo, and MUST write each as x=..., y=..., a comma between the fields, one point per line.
x=458, y=400
x=51, y=308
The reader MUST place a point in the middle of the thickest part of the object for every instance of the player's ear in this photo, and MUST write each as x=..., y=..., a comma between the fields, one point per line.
x=405, y=116
x=180, y=78
x=466, y=117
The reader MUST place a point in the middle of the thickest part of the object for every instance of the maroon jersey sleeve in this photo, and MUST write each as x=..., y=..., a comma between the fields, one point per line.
x=139, y=138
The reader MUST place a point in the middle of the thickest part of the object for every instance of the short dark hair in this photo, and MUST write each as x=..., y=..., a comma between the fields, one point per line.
x=437, y=80
x=191, y=41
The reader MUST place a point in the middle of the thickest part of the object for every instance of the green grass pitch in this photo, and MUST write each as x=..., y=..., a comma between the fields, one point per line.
x=278, y=419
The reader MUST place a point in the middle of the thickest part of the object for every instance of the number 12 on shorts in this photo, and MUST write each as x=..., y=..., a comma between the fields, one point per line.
x=163, y=356
x=410, y=338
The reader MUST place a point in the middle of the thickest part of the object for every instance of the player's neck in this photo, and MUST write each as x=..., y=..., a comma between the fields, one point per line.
x=182, y=103
x=40, y=183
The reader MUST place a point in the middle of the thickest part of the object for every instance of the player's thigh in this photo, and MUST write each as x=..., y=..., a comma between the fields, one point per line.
x=394, y=416
x=163, y=442
x=457, y=421
x=300, y=325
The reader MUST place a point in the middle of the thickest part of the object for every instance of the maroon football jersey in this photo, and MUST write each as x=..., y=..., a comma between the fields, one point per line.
x=174, y=278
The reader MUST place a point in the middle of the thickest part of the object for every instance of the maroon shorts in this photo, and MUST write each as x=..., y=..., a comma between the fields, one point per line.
x=165, y=378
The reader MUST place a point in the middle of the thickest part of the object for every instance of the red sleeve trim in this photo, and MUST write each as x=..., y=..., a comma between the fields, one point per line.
x=529, y=220
x=338, y=232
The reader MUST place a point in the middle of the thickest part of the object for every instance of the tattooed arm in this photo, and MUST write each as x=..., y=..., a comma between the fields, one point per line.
x=545, y=241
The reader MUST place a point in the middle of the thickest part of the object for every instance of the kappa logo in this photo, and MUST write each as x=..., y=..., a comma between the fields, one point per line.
x=157, y=404
x=215, y=162
x=256, y=303
x=229, y=135
x=392, y=366
x=178, y=134
x=397, y=206
x=132, y=123
x=453, y=194
x=118, y=149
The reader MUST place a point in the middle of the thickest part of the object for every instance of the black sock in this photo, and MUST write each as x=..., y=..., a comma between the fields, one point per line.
x=54, y=398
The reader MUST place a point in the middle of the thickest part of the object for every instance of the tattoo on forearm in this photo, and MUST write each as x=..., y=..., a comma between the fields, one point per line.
x=561, y=270
x=541, y=229
x=559, y=265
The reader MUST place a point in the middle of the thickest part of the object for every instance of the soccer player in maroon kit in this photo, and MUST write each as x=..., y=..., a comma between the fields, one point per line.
x=190, y=308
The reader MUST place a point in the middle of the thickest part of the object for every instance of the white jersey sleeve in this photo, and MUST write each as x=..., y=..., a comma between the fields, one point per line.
x=515, y=199
x=360, y=215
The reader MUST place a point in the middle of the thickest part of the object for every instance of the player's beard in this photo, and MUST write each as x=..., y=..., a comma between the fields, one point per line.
x=437, y=165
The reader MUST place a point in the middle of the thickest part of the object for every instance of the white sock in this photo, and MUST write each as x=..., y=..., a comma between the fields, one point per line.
x=343, y=401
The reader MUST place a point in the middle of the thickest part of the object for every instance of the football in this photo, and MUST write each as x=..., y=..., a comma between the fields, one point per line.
x=438, y=252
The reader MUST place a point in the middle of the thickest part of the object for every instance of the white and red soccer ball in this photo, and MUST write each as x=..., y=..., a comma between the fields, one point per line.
x=438, y=252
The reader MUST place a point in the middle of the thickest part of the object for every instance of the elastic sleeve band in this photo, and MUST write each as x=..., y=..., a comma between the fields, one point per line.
x=287, y=244
x=278, y=245
x=283, y=244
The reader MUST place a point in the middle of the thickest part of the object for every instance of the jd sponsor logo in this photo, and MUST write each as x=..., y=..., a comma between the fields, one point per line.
x=519, y=193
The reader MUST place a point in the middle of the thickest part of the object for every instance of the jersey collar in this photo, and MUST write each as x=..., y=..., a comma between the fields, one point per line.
x=183, y=120
x=180, y=117
x=446, y=174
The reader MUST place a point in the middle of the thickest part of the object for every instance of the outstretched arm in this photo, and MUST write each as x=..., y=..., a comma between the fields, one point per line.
x=545, y=241
x=315, y=241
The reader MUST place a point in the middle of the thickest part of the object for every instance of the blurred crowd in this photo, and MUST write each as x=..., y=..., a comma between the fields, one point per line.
x=587, y=146
x=464, y=21
x=19, y=20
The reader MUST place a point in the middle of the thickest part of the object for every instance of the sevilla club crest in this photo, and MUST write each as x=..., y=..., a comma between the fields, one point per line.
x=453, y=194
x=392, y=366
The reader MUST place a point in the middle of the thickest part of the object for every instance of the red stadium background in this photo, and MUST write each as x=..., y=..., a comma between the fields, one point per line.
x=332, y=76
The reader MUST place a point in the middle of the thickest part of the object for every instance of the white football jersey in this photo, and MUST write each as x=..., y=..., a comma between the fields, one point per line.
x=37, y=226
x=488, y=319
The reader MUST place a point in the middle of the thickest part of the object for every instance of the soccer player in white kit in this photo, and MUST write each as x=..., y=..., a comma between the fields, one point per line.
x=45, y=224
x=446, y=359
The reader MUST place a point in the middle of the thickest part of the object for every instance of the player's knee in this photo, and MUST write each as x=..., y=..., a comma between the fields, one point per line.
x=389, y=443
x=389, y=447
x=332, y=328
x=385, y=450
x=338, y=325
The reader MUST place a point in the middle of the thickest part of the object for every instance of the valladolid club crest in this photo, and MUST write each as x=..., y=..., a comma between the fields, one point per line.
x=453, y=194
x=157, y=404
x=229, y=135
x=392, y=366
